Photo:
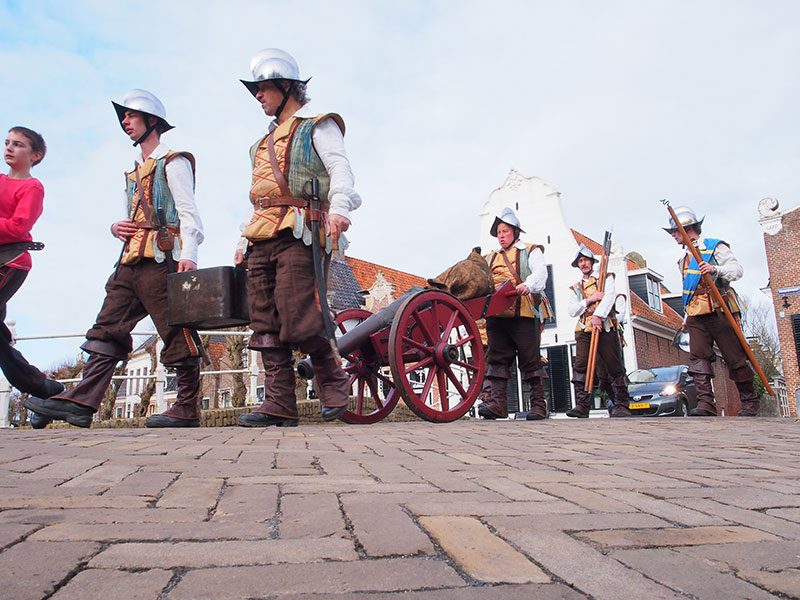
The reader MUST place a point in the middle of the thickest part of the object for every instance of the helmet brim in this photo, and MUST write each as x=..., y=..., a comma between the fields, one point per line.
x=698, y=224
x=577, y=258
x=121, y=110
x=252, y=86
x=496, y=224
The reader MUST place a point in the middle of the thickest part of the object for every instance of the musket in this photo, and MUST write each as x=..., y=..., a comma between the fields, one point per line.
x=601, y=284
x=311, y=192
x=715, y=293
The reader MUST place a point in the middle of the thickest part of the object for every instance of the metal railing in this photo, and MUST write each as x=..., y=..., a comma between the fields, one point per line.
x=160, y=373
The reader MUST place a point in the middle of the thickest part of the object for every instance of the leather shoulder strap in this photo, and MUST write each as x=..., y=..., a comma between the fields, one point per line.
x=511, y=268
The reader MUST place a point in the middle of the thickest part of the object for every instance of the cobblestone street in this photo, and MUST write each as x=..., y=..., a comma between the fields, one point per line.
x=599, y=508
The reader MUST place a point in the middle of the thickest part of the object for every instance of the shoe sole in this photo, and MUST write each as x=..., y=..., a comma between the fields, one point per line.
x=175, y=424
x=285, y=423
x=332, y=416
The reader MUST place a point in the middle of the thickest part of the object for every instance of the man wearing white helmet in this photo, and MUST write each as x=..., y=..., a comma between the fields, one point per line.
x=301, y=146
x=595, y=310
x=516, y=332
x=161, y=232
x=705, y=321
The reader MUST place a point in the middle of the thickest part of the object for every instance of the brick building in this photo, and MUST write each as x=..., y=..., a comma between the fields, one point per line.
x=782, y=245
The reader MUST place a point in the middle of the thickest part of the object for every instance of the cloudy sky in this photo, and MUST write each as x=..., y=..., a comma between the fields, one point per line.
x=616, y=104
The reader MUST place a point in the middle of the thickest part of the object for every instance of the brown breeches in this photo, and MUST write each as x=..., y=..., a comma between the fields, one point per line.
x=704, y=330
x=510, y=337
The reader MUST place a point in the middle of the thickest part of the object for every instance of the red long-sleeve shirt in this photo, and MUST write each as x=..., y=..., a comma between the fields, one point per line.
x=21, y=204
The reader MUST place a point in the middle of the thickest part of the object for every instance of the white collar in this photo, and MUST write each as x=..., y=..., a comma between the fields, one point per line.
x=160, y=152
x=304, y=112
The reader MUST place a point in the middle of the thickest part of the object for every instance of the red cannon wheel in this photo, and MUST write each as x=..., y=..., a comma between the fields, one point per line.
x=436, y=356
x=376, y=395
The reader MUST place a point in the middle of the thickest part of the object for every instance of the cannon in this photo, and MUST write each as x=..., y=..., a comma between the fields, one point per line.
x=424, y=348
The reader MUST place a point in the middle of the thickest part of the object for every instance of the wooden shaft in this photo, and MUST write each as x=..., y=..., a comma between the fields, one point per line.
x=601, y=285
x=721, y=301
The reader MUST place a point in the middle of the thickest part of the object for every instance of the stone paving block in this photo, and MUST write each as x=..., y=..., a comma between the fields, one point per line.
x=222, y=554
x=531, y=591
x=785, y=582
x=512, y=489
x=750, y=518
x=448, y=481
x=666, y=510
x=472, y=459
x=790, y=514
x=143, y=483
x=107, y=474
x=585, y=569
x=294, y=459
x=66, y=469
x=383, y=528
x=690, y=536
x=32, y=570
x=105, y=583
x=243, y=583
x=754, y=498
x=386, y=472
x=311, y=515
x=582, y=497
x=52, y=501
x=147, y=532
x=752, y=556
x=481, y=554
x=578, y=522
x=451, y=506
x=102, y=515
x=191, y=491
x=681, y=572
x=11, y=534
x=243, y=503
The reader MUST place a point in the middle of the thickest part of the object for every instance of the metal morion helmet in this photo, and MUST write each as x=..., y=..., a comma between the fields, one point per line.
x=144, y=102
x=584, y=251
x=686, y=216
x=272, y=63
x=508, y=217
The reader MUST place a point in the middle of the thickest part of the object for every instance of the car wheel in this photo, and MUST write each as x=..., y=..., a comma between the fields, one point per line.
x=683, y=408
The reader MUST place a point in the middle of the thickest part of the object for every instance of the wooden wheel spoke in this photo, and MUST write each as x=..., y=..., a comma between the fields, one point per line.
x=465, y=365
x=360, y=397
x=463, y=341
x=441, y=381
x=452, y=377
x=417, y=345
x=373, y=388
x=449, y=327
x=385, y=380
x=419, y=365
x=426, y=388
x=423, y=327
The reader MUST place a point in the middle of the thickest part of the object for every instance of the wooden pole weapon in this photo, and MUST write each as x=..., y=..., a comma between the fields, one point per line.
x=720, y=300
x=601, y=285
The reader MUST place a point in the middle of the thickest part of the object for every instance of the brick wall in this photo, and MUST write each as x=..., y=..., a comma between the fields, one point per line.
x=655, y=351
x=783, y=250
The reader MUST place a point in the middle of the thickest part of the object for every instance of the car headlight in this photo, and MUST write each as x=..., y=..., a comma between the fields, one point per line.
x=669, y=390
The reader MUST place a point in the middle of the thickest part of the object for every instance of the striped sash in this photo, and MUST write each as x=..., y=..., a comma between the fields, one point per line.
x=692, y=275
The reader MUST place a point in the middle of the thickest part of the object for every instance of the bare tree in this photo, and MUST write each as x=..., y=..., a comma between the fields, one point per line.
x=110, y=397
x=235, y=349
x=150, y=386
x=759, y=327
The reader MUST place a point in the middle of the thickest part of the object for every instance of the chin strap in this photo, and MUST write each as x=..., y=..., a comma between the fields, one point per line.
x=287, y=93
x=148, y=131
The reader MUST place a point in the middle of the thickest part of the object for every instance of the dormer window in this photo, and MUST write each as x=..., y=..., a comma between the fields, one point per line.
x=653, y=294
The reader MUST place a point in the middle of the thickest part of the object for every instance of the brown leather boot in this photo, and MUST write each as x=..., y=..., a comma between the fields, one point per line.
x=538, y=410
x=280, y=402
x=622, y=398
x=748, y=399
x=333, y=382
x=497, y=405
x=185, y=412
x=706, y=407
x=583, y=399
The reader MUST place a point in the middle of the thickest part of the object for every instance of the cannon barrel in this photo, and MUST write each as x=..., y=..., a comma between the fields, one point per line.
x=359, y=335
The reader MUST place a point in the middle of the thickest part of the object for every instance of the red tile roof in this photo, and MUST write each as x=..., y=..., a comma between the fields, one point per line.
x=366, y=272
x=597, y=248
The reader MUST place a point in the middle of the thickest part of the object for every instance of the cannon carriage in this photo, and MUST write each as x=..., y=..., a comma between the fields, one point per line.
x=425, y=348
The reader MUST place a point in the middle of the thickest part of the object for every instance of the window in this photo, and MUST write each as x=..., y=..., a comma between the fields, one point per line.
x=796, y=334
x=260, y=394
x=224, y=398
x=119, y=412
x=206, y=402
x=245, y=359
x=653, y=294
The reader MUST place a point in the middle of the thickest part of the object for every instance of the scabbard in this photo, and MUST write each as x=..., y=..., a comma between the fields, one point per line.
x=319, y=271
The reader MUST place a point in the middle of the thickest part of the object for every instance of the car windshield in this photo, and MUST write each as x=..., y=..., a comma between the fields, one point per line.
x=664, y=374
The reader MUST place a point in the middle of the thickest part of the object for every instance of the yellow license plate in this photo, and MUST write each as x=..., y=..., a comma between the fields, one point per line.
x=635, y=405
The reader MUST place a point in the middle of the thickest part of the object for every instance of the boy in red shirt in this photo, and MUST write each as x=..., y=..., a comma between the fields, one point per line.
x=21, y=203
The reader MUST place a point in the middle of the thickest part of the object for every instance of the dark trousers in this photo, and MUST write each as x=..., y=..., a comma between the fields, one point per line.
x=281, y=291
x=138, y=290
x=510, y=337
x=607, y=352
x=19, y=373
x=704, y=330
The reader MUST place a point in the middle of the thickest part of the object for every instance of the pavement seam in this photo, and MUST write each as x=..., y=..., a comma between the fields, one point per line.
x=350, y=528
x=213, y=510
x=80, y=567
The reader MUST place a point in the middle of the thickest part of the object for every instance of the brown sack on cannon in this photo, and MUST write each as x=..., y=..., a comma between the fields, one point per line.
x=466, y=279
